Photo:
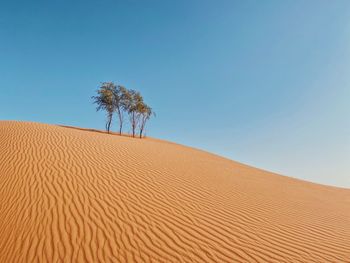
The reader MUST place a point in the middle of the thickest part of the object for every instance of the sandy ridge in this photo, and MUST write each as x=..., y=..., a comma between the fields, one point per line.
x=68, y=195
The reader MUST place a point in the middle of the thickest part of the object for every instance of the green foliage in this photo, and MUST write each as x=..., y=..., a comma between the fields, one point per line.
x=145, y=114
x=105, y=101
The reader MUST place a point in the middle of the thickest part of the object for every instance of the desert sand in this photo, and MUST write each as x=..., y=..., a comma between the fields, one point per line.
x=73, y=195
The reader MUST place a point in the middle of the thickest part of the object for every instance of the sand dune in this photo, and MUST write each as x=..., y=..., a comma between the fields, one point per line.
x=69, y=195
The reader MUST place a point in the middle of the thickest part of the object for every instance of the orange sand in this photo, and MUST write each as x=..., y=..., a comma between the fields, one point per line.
x=69, y=195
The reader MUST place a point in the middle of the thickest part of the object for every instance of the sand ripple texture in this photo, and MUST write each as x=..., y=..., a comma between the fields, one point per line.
x=73, y=195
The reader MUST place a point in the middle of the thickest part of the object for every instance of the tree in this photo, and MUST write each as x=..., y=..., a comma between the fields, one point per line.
x=115, y=98
x=105, y=101
x=133, y=102
x=145, y=114
x=120, y=104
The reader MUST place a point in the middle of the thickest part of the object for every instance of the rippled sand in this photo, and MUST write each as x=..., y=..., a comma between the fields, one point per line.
x=73, y=195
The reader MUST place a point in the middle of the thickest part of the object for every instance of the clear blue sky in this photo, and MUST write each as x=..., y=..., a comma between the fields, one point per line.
x=266, y=83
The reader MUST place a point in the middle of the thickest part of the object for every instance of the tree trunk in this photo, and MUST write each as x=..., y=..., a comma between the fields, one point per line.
x=142, y=126
x=133, y=124
x=108, y=124
x=120, y=122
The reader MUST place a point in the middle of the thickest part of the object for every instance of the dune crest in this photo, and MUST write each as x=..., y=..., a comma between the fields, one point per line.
x=69, y=195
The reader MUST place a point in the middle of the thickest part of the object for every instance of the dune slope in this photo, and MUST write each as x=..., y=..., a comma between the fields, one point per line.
x=69, y=195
